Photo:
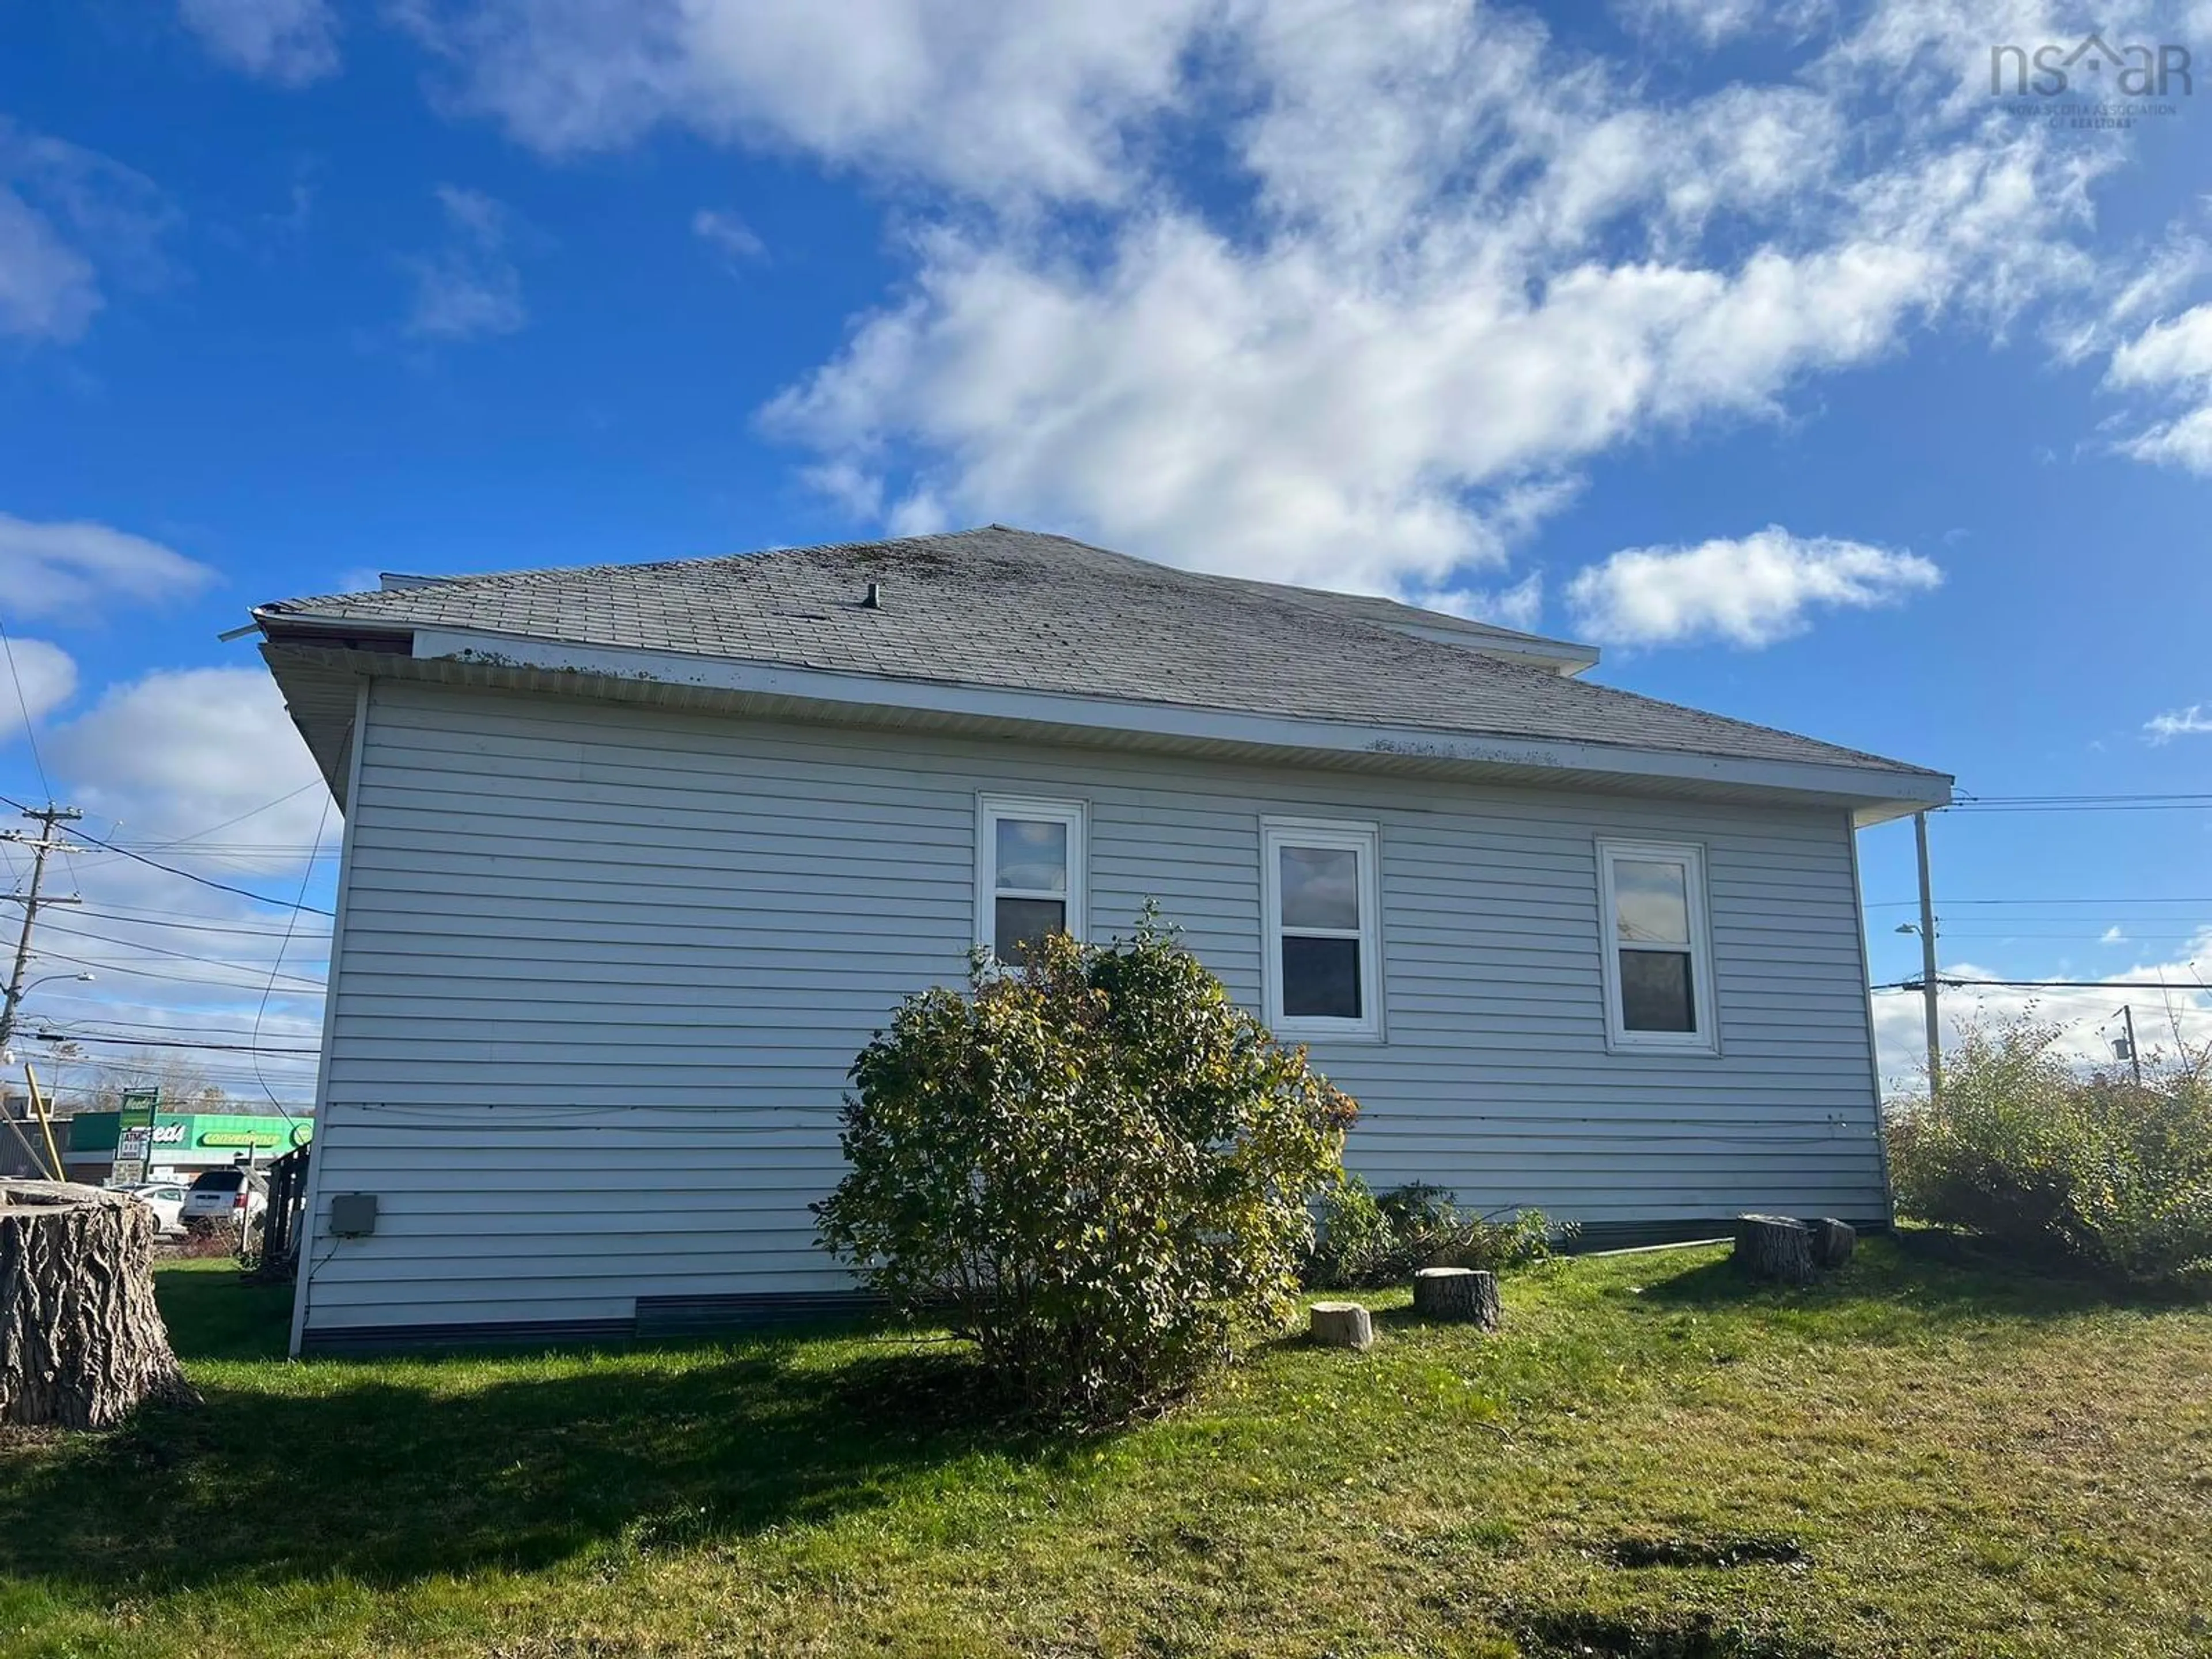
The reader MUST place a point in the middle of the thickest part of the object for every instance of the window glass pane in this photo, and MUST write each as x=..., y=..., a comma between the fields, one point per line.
x=1321, y=887
x=1320, y=977
x=1032, y=856
x=1653, y=899
x=1654, y=991
x=1020, y=921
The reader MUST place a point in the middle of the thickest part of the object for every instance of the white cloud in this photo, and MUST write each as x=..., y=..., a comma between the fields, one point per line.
x=1438, y=257
x=68, y=214
x=2173, y=351
x=731, y=237
x=45, y=675
x=1447, y=290
x=2172, y=359
x=1707, y=21
x=290, y=42
x=469, y=288
x=1001, y=96
x=47, y=288
x=1519, y=606
x=1749, y=592
x=178, y=751
x=2112, y=935
x=2192, y=721
x=59, y=569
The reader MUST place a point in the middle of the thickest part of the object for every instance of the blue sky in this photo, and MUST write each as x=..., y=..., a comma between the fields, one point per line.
x=1759, y=343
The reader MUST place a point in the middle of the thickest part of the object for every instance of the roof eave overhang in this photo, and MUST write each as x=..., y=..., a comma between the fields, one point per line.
x=316, y=647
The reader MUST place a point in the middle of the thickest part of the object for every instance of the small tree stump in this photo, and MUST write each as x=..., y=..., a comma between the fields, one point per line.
x=1340, y=1325
x=1833, y=1241
x=82, y=1343
x=1774, y=1248
x=1467, y=1294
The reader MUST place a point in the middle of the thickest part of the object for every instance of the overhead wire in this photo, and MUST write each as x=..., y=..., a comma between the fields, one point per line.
x=84, y=835
x=30, y=728
x=291, y=920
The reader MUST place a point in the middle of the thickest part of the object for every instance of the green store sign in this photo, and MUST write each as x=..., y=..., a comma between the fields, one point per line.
x=194, y=1132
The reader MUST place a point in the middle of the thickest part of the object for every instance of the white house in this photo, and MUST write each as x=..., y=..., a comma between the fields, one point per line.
x=637, y=857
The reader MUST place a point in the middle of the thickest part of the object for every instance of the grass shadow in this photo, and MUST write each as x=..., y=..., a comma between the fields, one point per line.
x=387, y=1472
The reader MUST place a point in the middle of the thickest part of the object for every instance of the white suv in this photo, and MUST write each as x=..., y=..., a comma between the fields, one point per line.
x=218, y=1197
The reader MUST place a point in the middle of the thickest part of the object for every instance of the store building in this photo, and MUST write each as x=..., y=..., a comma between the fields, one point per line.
x=183, y=1143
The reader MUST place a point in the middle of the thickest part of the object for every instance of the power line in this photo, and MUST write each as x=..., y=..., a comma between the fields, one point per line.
x=2139, y=801
x=253, y=812
x=1950, y=982
x=141, y=1042
x=180, y=956
x=1901, y=904
x=205, y=881
x=290, y=921
x=124, y=1028
x=155, y=919
x=30, y=732
x=315, y=989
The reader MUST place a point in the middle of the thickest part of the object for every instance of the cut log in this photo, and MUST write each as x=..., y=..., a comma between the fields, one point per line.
x=82, y=1343
x=1774, y=1248
x=1462, y=1293
x=1340, y=1325
x=1833, y=1241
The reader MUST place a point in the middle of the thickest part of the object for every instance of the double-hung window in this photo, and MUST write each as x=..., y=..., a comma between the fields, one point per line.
x=1029, y=872
x=1322, y=974
x=1658, y=951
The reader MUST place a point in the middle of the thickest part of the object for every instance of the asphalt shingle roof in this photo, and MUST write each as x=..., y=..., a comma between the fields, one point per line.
x=1015, y=610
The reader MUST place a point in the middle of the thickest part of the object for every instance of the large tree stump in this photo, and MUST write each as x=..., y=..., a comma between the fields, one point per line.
x=82, y=1343
x=1340, y=1325
x=1833, y=1241
x=1467, y=1294
x=1774, y=1248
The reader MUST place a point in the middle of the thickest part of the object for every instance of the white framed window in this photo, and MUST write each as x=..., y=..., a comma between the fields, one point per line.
x=1321, y=917
x=1657, y=947
x=1029, y=856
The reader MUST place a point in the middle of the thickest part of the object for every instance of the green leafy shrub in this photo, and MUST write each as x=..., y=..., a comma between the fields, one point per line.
x=2021, y=1149
x=1369, y=1241
x=1098, y=1166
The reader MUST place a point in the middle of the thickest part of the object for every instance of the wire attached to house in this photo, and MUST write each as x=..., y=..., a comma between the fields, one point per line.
x=291, y=920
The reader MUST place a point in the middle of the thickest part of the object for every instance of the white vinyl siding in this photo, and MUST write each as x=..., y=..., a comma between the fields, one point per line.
x=1322, y=966
x=604, y=967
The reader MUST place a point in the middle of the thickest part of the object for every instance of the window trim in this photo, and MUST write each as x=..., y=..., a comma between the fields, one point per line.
x=1364, y=840
x=1075, y=814
x=1691, y=855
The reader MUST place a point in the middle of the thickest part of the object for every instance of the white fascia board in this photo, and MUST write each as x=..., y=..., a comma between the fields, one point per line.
x=1890, y=793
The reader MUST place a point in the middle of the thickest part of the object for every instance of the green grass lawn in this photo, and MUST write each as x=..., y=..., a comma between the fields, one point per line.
x=1926, y=1456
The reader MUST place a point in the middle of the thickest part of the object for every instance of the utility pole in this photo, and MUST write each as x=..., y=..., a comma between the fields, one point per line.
x=1928, y=986
x=2135, y=1056
x=46, y=840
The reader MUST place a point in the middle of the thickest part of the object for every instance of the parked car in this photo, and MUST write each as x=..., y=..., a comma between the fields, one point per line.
x=218, y=1197
x=165, y=1199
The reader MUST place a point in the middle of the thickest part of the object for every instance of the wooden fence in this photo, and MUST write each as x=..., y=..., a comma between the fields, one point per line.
x=284, y=1223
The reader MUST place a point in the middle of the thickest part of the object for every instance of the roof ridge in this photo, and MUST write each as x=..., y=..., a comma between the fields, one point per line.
x=484, y=578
